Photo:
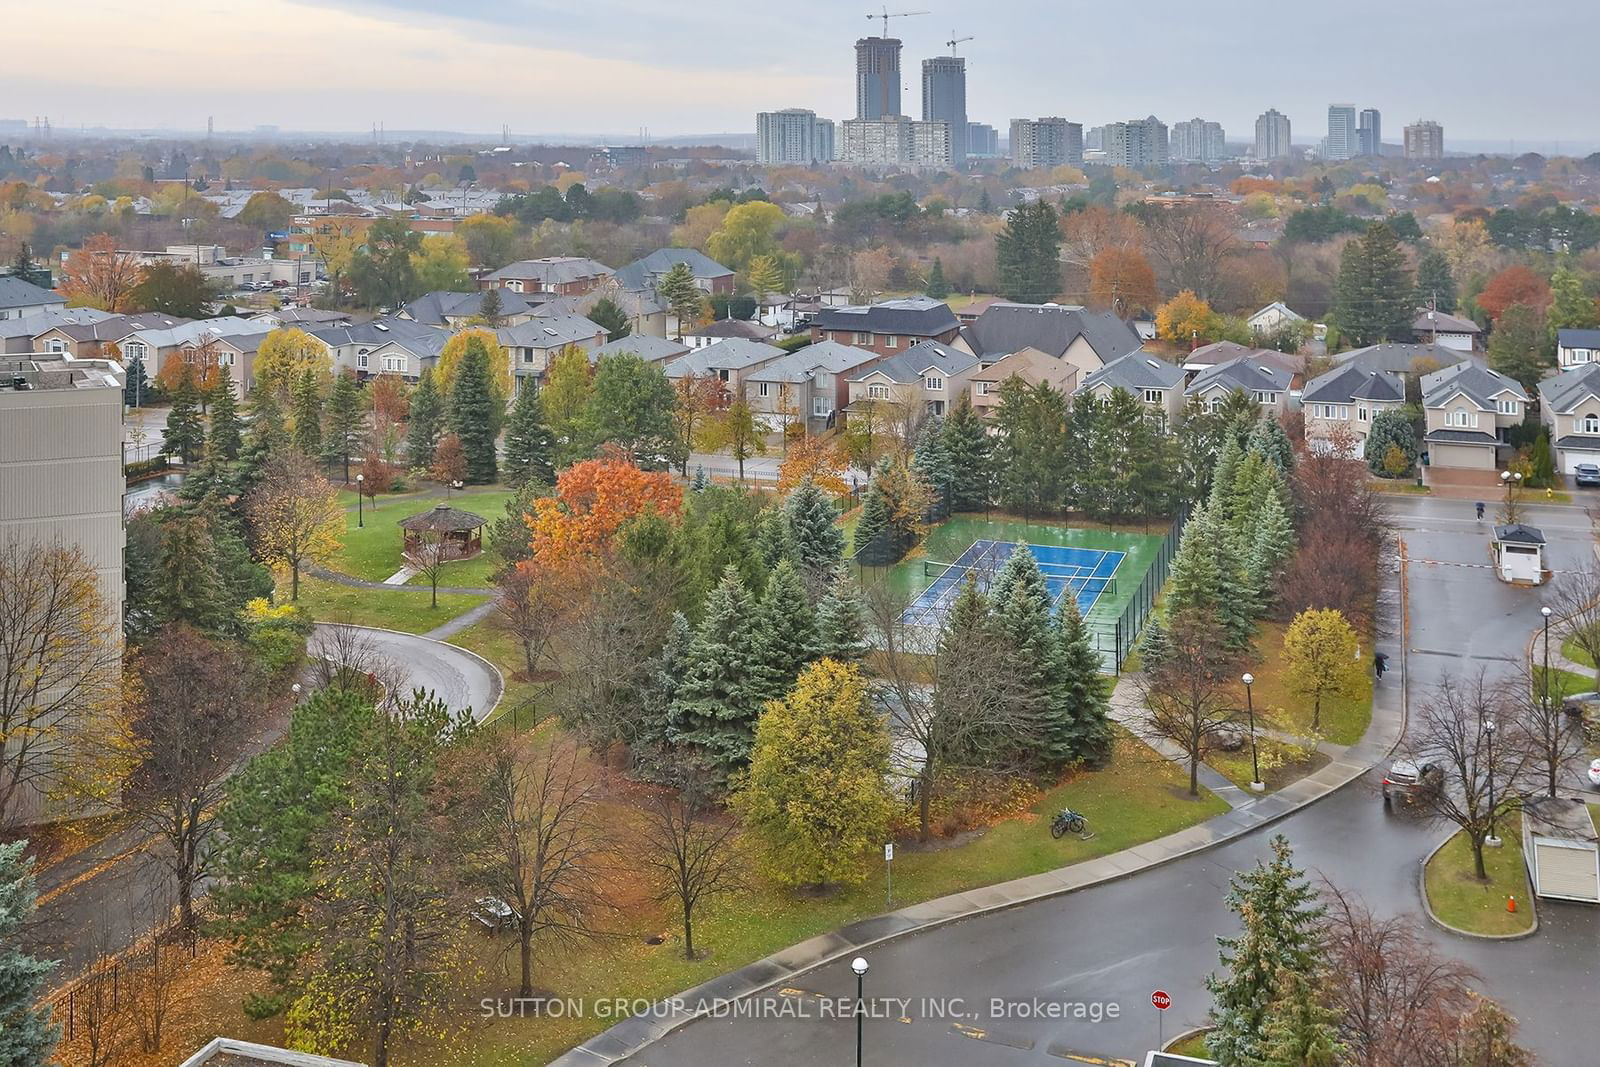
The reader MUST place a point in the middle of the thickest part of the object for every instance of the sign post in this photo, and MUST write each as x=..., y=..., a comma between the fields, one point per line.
x=1162, y=1002
x=888, y=870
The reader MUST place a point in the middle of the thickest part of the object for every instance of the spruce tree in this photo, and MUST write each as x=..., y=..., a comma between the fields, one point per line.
x=185, y=434
x=1436, y=287
x=1086, y=713
x=1028, y=253
x=267, y=434
x=701, y=480
x=659, y=693
x=1269, y=441
x=1022, y=610
x=530, y=446
x=772, y=538
x=28, y=1036
x=841, y=627
x=816, y=539
x=1279, y=913
x=931, y=461
x=1300, y=1030
x=1195, y=581
x=345, y=418
x=227, y=436
x=426, y=420
x=1155, y=645
x=1272, y=542
x=786, y=632
x=136, y=390
x=937, y=287
x=874, y=540
x=188, y=584
x=610, y=318
x=719, y=697
x=966, y=443
x=472, y=416
x=1223, y=477
x=1374, y=295
x=308, y=415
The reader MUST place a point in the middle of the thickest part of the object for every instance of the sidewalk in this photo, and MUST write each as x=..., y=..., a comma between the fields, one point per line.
x=1248, y=813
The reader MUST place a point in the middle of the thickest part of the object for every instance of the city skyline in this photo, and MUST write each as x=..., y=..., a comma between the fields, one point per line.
x=620, y=66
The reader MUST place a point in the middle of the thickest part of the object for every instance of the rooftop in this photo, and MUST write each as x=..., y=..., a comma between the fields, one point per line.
x=733, y=354
x=551, y=270
x=908, y=367
x=26, y=375
x=1136, y=370
x=1478, y=383
x=1564, y=391
x=1578, y=338
x=17, y=293
x=641, y=272
x=444, y=518
x=918, y=316
x=549, y=332
x=1006, y=327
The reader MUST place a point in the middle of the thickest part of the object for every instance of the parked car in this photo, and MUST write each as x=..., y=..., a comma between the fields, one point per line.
x=1411, y=782
x=1586, y=475
x=494, y=913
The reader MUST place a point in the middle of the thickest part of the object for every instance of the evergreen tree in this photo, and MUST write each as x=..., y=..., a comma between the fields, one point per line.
x=786, y=637
x=1373, y=297
x=1278, y=910
x=1022, y=611
x=472, y=416
x=185, y=435
x=841, y=628
x=610, y=318
x=719, y=697
x=345, y=421
x=1224, y=475
x=426, y=420
x=491, y=309
x=268, y=433
x=1299, y=1030
x=1031, y=425
x=1155, y=645
x=1268, y=441
x=308, y=415
x=136, y=390
x=227, y=433
x=28, y=1036
x=1520, y=345
x=188, y=587
x=1390, y=429
x=874, y=541
x=701, y=480
x=937, y=288
x=1086, y=733
x=659, y=692
x=985, y=202
x=815, y=537
x=966, y=443
x=530, y=446
x=931, y=461
x=772, y=538
x=1542, y=462
x=682, y=297
x=1272, y=542
x=1028, y=253
x=1436, y=287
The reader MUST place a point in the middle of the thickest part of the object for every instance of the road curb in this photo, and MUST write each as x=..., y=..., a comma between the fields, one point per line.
x=1193, y=1031
x=499, y=678
x=1427, y=908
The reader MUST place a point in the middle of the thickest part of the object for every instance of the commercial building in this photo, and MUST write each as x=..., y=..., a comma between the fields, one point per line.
x=1137, y=143
x=1046, y=142
x=1369, y=133
x=1272, y=135
x=944, y=99
x=1424, y=140
x=1342, y=140
x=1197, y=141
x=793, y=135
x=877, y=77
x=983, y=140
x=895, y=141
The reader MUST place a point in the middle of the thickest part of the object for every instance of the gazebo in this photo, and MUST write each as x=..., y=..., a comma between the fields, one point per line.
x=460, y=531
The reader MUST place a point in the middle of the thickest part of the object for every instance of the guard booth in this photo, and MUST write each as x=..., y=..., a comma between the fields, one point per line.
x=1518, y=552
x=1558, y=840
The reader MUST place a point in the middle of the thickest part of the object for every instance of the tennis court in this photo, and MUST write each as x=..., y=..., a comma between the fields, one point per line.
x=1086, y=573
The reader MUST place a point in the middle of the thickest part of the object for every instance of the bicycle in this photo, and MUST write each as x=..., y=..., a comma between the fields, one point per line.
x=1068, y=822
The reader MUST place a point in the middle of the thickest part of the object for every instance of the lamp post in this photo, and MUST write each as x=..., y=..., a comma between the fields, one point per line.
x=859, y=965
x=1545, y=611
x=1256, y=784
x=1492, y=841
x=1512, y=480
x=361, y=519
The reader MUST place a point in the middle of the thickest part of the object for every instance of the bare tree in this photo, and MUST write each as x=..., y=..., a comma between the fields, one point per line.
x=100, y=1012
x=1575, y=603
x=1549, y=737
x=1469, y=731
x=59, y=678
x=155, y=989
x=1190, y=696
x=1399, y=1001
x=536, y=843
x=954, y=700
x=427, y=553
x=1191, y=244
x=529, y=607
x=689, y=845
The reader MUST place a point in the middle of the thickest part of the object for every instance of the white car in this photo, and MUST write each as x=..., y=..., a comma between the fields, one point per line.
x=1594, y=773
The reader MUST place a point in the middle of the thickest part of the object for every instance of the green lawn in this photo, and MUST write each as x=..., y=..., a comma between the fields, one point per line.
x=501, y=649
x=390, y=609
x=1344, y=719
x=1562, y=683
x=1192, y=1046
x=372, y=550
x=1571, y=650
x=1460, y=899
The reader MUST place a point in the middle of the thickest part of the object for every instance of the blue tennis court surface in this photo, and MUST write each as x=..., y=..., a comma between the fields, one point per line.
x=1087, y=573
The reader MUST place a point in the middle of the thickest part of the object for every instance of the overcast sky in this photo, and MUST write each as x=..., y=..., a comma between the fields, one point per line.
x=1486, y=69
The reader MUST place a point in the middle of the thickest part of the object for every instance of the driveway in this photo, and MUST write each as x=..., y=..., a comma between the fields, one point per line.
x=1115, y=943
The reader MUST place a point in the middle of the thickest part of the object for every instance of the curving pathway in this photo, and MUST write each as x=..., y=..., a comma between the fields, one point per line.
x=462, y=679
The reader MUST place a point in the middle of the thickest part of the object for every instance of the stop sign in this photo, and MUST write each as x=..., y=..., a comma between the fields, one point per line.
x=1160, y=999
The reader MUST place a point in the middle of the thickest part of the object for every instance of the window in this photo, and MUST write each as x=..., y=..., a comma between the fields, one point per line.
x=361, y=359
x=859, y=338
x=1590, y=424
x=981, y=388
x=891, y=341
x=819, y=406
x=761, y=389
x=1263, y=397
x=1361, y=413
x=1154, y=396
x=933, y=384
x=1216, y=404
x=527, y=355
x=55, y=345
x=394, y=364
x=134, y=350
x=1461, y=418
x=1507, y=407
x=877, y=392
x=722, y=375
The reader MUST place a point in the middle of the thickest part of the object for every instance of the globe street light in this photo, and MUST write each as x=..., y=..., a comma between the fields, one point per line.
x=360, y=518
x=859, y=965
x=1256, y=784
x=1545, y=611
x=1492, y=841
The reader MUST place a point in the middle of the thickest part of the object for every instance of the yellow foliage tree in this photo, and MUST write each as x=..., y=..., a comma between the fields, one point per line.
x=1321, y=659
x=284, y=356
x=747, y=231
x=816, y=797
x=444, y=371
x=294, y=515
x=819, y=460
x=699, y=223
x=1184, y=317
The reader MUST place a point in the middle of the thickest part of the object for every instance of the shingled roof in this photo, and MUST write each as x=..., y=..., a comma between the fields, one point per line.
x=1006, y=327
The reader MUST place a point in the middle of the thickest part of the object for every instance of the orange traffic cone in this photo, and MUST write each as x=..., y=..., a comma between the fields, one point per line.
x=1511, y=904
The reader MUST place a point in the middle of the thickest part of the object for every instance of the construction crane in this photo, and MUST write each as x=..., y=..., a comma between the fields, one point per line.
x=886, y=15
x=954, y=40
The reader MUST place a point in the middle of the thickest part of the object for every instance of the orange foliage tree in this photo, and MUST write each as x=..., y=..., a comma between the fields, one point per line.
x=1121, y=279
x=1514, y=285
x=593, y=500
x=821, y=460
x=99, y=276
x=203, y=363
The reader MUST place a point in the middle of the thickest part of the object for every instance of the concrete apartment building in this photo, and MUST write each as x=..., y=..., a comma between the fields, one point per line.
x=983, y=140
x=895, y=140
x=793, y=136
x=1342, y=142
x=1272, y=135
x=1424, y=140
x=1197, y=141
x=877, y=77
x=61, y=470
x=1046, y=142
x=1369, y=133
x=944, y=99
x=1137, y=143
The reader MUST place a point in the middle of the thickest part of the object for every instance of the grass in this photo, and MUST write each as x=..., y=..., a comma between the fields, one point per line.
x=1459, y=898
x=1389, y=485
x=1280, y=763
x=501, y=649
x=395, y=609
x=373, y=550
x=1194, y=1046
x=1344, y=719
x=1562, y=683
x=1571, y=649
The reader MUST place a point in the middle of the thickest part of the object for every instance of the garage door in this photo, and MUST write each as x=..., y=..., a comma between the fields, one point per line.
x=1469, y=457
x=1566, y=869
x=1570, y=459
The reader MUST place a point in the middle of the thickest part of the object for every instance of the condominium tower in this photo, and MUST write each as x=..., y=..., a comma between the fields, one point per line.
x=1272, y=135
x=944, y=99
x=1369, y=133
x=1137, y=143
x=1197, y=141
x=877, y=77
x=1424, y=140
x=793, y=135
x=1046, y=142
x=1342, y=142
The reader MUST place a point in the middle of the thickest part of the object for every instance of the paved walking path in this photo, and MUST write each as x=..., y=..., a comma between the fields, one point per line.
x=1247, y=813
x=361, y=583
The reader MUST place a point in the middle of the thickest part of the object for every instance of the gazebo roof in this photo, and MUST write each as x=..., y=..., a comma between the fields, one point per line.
x=444, y=518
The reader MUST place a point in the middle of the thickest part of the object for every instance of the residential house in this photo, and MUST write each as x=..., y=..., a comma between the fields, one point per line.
x=1348, y=398
x=1569, y=407
x=19, y=298
x=1468, y=409
x=1271, y=317
x=1265, y=381
x=351, y=346
x=92, y=340
x=928, y=374
x=811, y=382
x=1088, y=340
x=649, y=348
x=303, y=318
x=155, y=347
x=722, y=329
x=17, y=335
x=534, y=343
x=405, y=356
x=731, y=361
x=646, y=315
x=1447, y=331
x=1154, y=382
x=1410, y=362
x=889, y=327
x=645, y=274
x=1574, y=348
x=454, y=311
x=551, y=276
x=1030, y=365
